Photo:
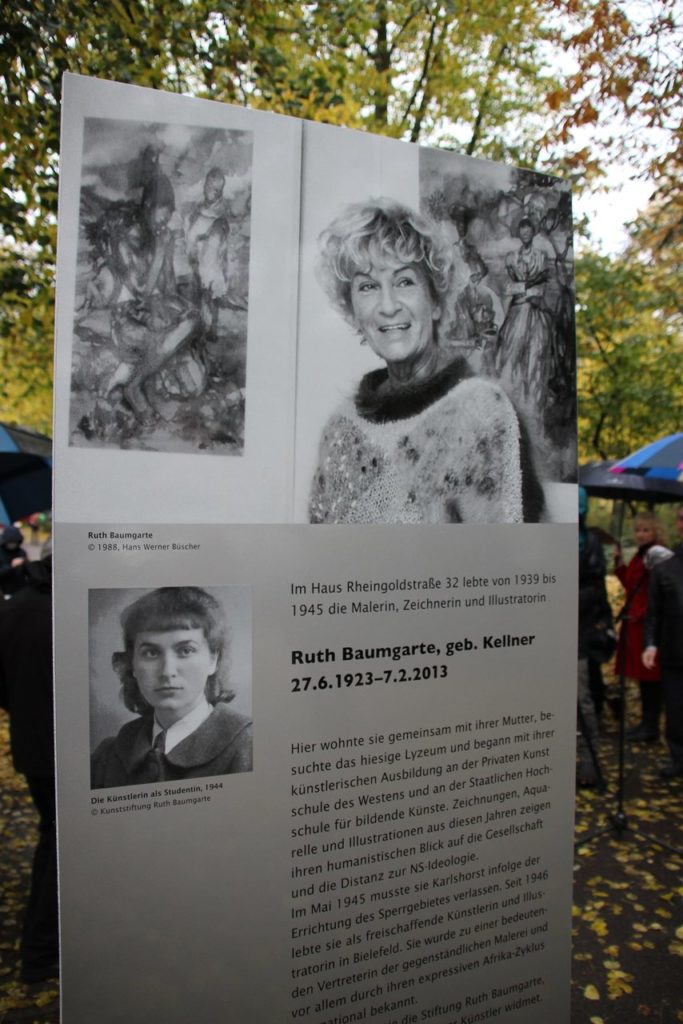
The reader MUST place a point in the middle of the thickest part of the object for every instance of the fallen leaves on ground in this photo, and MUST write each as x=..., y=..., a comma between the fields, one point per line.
x=627, y=916
x=18, y=835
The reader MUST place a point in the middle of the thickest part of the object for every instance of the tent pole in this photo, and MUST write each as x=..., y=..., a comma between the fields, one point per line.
x=617, y=525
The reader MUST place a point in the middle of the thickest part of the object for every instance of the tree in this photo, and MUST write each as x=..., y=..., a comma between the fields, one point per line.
x=626, y=84
x=630, y=331
x=38, y=42
x=476, y=76
x=27, y=326
x=407, y=69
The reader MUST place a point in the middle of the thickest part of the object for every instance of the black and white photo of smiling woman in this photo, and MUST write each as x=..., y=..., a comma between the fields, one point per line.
x=422, y=440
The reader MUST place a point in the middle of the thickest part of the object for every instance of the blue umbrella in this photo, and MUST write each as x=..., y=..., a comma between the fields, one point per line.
x=600, y=481
x=662, y=460
x=25, y=473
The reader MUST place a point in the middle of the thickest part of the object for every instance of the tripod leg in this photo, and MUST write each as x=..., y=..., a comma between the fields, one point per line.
x=619, y=823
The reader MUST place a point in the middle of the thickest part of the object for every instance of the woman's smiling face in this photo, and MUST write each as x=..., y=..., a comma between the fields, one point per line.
x=171, y=668
x=643, y=532
x=394, y=311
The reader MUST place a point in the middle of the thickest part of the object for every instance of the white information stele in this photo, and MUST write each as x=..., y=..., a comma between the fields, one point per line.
x=399, y=849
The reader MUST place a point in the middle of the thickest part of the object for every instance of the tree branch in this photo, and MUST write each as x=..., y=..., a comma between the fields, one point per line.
x=382, y=62
x=421, y=84
x=484, y=98
x=411, y=17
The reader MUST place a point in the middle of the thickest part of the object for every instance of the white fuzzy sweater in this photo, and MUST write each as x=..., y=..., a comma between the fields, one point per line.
x=446, y=450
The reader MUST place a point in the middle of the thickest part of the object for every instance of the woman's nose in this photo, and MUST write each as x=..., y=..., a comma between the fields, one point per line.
x=388, y=299
x=167, y=666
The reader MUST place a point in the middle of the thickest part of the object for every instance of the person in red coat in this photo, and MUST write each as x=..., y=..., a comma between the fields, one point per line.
x=635, y=578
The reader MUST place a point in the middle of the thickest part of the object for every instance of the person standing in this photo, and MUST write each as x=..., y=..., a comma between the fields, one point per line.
x=26, y=693
x=664, y=637
x=12, y=561
x=595, y=618
x=634, y=577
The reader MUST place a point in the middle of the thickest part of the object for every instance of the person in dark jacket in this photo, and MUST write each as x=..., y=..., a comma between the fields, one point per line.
x=594, y=615
x=26, y=693
x=12, y=561
x=664, y=636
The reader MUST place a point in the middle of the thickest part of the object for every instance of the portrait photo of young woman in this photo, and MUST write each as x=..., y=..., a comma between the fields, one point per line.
x=174, y=677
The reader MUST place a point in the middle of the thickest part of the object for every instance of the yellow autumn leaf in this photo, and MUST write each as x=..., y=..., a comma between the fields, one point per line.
x=679, y=932
x=596, y=1020
x=618, y=984
x=591, y=992
x=46, y=997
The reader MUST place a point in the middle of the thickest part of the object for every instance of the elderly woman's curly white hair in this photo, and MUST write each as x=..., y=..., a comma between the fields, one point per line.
x=380, y=231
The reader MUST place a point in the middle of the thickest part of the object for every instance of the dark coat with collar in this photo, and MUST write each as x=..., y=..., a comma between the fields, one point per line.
x=26, y=671
x=12, y=578
x=594, y=608
x=221, y=745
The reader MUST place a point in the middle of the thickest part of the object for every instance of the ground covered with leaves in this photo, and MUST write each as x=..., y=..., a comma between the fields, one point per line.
x=28, y=1004
x=628, y=896
x=628, y=891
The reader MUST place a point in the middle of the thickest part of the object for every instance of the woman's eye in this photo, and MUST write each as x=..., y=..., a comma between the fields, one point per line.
x=367, y=286
x=185, y=652
x=402, y=282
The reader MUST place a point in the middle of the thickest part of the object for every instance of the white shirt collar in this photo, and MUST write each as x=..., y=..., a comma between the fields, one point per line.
x=184, y=726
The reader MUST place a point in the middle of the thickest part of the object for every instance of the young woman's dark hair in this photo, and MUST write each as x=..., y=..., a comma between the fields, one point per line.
x=166, y=609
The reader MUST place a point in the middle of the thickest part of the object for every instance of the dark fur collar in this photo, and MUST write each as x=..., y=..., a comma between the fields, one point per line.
x=387, y=406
